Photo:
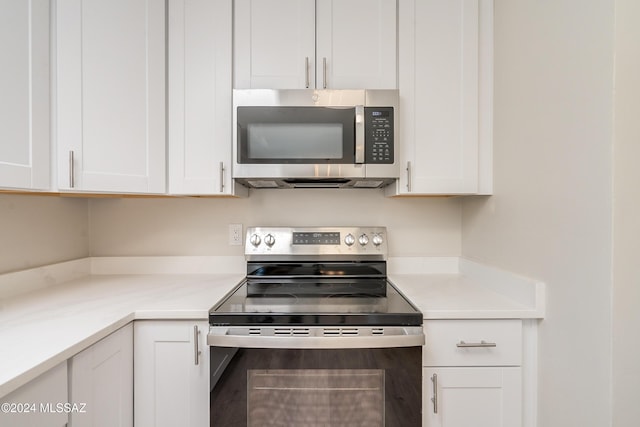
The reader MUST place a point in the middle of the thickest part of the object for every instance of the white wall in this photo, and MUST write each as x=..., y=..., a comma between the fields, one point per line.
x=550, y=217
x=39, y=230
x=198, y=226
x=626, y=207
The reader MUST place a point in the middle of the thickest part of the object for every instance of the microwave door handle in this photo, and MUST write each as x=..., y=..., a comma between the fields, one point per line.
x=359, y=134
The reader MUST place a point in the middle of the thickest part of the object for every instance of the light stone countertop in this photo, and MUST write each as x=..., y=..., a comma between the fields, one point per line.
x=42, y=328
x=53, y=322
x=456, y=296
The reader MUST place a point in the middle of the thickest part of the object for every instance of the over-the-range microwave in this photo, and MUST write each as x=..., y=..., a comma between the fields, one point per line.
x=315, y=138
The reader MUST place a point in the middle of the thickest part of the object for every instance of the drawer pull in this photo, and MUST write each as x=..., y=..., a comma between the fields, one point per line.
x=480, y=344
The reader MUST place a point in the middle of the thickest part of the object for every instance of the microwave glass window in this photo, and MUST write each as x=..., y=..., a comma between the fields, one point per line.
x=295, y=135
x=295, y=140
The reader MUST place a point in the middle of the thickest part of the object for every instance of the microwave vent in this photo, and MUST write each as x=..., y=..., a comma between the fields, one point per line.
x=263, y=183
x=317, y=183
x=309, y=183
x=368, y=184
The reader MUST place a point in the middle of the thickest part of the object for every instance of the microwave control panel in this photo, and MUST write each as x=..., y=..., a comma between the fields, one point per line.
x=378, y=127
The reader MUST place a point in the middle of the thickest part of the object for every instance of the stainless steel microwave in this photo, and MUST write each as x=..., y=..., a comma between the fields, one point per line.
x=305, y=138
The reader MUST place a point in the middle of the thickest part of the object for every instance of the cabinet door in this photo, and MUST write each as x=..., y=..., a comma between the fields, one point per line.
x=102, y=378
x=445, y=49
x=171, y=374
x=274, y=44
x=356, y=44
x=199, y=99
x=479, y=397
x=111, y=95
x=35, y=404
x=24, y=94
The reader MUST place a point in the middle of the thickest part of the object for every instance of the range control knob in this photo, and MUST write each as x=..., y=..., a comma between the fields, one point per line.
x=255, y=240
x=269, y=240
x=377, y=239
x=363, y=239
x=349, y=239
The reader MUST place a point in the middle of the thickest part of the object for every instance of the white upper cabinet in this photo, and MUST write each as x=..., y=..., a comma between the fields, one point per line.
x=199, y=97
x=332, y=44
x=445, y=81
x=274, y=42
x=24, y=94
x=356, y=44
x=111, y=95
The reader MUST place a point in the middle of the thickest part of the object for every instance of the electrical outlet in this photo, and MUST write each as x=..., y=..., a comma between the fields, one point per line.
x=235, y=234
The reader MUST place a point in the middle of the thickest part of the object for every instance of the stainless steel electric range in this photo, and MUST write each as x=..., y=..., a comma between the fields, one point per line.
x=316, y=335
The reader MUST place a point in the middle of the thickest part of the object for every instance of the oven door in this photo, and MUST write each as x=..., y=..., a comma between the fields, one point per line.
x=327, y=387
x=325, y=384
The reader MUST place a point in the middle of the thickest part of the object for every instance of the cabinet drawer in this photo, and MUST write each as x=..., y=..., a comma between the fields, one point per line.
x=471, y=343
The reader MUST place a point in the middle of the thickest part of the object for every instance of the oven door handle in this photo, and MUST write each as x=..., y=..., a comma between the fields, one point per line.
x=315, y=337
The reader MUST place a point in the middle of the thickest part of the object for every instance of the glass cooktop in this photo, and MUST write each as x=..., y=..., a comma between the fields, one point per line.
x=315, y=294
x=309, y=303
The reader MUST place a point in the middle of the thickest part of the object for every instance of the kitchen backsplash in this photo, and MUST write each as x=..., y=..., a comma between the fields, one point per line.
x=199, y=226
x=39, y=230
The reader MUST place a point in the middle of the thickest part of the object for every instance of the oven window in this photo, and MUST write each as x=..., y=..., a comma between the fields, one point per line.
x=315, y=397
x=319, y=388
x=294, y=140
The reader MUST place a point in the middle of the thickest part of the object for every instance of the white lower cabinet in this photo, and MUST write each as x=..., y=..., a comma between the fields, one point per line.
x=171, y=373
x=472, y=373
x=477, y=396
x=101, y=378
x=36, y=403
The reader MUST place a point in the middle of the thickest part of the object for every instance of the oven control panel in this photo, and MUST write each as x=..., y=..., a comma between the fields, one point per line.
x=316, y=238
x=321, y=242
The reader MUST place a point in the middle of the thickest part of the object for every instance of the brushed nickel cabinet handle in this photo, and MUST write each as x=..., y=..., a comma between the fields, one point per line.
x=480, y=344
x=434, y=399
x=324, y=73
x=306, y=72
x=72, y=177
x=222, y=177
x=196, y=345
x=409, y=177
